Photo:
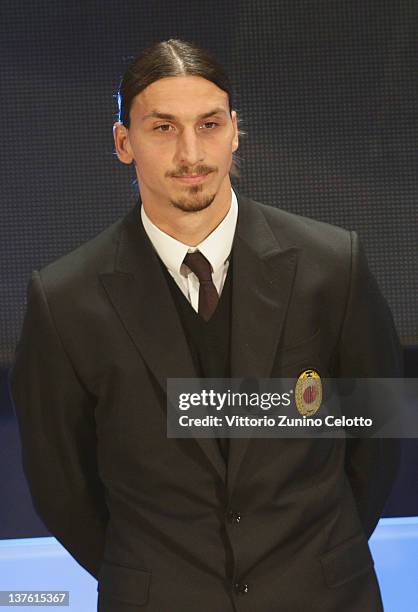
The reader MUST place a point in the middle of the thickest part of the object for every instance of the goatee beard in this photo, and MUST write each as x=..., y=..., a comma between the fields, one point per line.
x=190, y=204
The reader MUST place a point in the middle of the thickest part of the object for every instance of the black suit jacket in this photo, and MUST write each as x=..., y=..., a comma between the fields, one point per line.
x=162, y=523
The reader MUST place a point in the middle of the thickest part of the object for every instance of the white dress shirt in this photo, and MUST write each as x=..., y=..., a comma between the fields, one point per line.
x=216, y=248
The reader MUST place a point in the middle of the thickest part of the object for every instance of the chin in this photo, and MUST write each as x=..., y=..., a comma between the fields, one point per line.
x=190, y=204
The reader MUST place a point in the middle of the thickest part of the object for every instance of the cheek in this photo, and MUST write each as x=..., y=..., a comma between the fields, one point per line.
x=225, y=155
x=151, y=162
x=226, y=146
x=147, y=150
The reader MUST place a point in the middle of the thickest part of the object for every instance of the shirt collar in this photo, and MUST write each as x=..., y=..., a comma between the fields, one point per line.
x=216, y=247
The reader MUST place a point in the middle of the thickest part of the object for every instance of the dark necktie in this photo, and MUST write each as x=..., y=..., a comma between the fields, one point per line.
x=208, y=296
x=208, y=300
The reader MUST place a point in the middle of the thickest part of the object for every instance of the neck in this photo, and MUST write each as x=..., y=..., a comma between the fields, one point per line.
x=190, y=228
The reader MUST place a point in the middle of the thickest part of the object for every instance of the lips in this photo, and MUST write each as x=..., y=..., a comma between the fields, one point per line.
x=191, y=178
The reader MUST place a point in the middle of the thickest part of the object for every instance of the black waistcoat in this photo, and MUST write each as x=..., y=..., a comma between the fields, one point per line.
x=209, y=341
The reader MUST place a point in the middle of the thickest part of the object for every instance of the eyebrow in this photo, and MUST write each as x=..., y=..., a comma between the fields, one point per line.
x=158, y=115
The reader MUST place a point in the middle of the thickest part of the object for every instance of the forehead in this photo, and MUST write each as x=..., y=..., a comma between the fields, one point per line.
x=182, y=96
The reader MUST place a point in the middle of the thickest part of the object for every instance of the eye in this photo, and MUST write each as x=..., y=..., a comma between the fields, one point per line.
x=165, y=127
x=210, y=125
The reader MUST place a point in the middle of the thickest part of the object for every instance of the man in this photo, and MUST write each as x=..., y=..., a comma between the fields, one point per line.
x=198, y=281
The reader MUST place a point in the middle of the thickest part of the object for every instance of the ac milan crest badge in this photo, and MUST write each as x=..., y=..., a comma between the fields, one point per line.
x=308, y=392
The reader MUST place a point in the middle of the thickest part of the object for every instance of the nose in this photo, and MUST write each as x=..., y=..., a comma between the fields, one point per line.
x=189, y=148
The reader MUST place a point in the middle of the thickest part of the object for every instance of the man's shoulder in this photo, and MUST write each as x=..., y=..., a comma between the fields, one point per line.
x=310, y=235
x=86, y=260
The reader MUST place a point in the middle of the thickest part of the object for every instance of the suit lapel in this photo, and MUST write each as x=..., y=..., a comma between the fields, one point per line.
x=139, y=293
x=263, y=275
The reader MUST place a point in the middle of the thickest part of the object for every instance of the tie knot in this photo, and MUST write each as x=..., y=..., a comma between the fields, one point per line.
x=199, y=265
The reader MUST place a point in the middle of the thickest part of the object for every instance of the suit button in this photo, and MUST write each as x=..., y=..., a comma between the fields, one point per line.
x=234, y=517
x=241, y=588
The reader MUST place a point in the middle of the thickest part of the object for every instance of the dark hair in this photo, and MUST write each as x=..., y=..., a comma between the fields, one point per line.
x=167, y=59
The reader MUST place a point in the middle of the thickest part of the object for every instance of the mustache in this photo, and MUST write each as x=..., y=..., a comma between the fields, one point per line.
x=185, y=170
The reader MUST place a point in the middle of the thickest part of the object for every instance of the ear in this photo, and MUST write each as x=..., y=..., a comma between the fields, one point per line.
x=235, y=140
x=122, y=144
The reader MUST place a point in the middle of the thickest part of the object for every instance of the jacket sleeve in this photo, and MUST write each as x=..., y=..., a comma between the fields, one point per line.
x=369, y=348
x=55, y=415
